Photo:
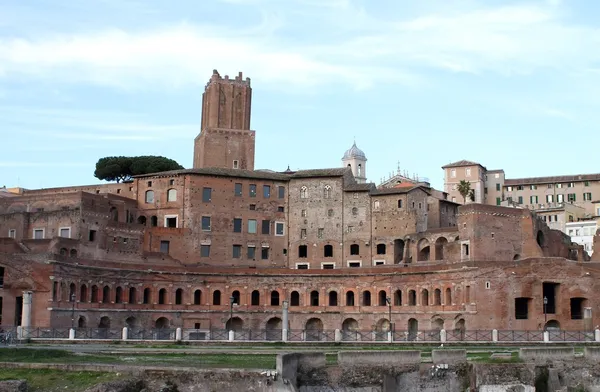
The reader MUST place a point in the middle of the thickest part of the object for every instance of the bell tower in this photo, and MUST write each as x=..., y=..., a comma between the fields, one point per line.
x=225, y=138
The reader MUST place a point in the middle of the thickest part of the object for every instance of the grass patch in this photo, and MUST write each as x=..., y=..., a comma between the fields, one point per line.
x=54, y=380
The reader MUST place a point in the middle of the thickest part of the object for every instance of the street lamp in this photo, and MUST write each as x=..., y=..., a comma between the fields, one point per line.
x=389, y=302
x=231, y=299
x=72, y=310
x=545, y=314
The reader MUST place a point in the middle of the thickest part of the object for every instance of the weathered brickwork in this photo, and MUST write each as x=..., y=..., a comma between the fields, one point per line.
x=170, y=249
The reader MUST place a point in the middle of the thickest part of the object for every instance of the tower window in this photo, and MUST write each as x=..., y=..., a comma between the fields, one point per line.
x=236, y=164
x=360, y=170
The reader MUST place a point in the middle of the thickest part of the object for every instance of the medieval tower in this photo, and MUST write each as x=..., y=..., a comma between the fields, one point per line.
x=225, y=139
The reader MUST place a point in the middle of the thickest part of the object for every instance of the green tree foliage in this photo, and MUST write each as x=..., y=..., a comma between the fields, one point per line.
x=464, y=188
x=123, y=168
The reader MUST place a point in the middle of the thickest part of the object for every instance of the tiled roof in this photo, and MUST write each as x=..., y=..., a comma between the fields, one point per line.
x=551, y=180
x=221, y=172
x=461, y=163
x=359, y=187
x=495, y=171
x=333, y=172
x=395, y=191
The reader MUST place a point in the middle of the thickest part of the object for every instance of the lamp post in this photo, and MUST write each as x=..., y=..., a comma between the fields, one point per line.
x=389, y=302
x=545, y=314
x=72, y=310
x=231, y=299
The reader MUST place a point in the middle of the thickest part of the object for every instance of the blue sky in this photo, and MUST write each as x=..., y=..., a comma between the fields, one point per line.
x=510, y=84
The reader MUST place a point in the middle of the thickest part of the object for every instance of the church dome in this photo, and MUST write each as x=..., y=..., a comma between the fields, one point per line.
x=354, y=152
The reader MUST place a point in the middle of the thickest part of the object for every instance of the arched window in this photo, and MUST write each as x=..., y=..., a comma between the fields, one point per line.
x=119, y=295
x=149, y=197
x=354, y=211
x=333, y=298
x=255, y=298
x=359, y=170
x=132, y=295
x=153, y=221
x=94, y=293
x=304, y=192
x=382, y=298
x=83, y=293
x=162, y=296
x=328, y=251
x=295, y=299
x=178, y=296
x=106, y=295
x=236, y=297
x=399, y=203
x=350, y=298
x=274, y=298
x=314, y=298
x=141, y=220
x=114, y=214
x=354, y=249
x=146, y=299
x=327, y=192
x=380, y=249
x=366, y=298
x=216, y=297
x=172, y=195
x=197, y=297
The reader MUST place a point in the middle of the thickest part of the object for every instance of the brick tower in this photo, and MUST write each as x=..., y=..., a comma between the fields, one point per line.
x=225, y=138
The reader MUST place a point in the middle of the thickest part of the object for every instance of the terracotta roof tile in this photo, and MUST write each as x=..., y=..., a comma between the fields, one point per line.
x=461, y=163
x=551, y=180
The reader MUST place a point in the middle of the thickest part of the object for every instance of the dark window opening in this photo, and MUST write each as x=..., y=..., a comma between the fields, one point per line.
x=303, y=251
x=146, y=299
x=281, y=192
x=251, y=252
x=314, y=298
x=265, y=253
x=197, y=297
x=206, y=195
x=328, y=266
x=274, y=298
x=164, y=247
x=237, y=225
x=153, y=221
x=236, y=297
x=266, y=191
x=549, y=291
x=280, y=209
x=266, y=226
x=577, y=308
x=522, y=308
x=295, y=299
x=217, y=297
x=204, y=250
x=162, y=296
x=206, y=223
x=333, y=298
x=366, y=298
x=92, y=235
x=354, y=264
x=255, y=298
x=354, y=249
x=178, y=296
x=252, y=190
x=236, y=251
x=382, y=298
x=380, y=249
x=328, y=251
x=398, y=251
x=171, y=222
x=237, y=189
x=350, y=298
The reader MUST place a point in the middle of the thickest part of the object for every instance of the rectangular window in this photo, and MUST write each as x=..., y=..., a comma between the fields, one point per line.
x=252, y=190
x=92, y=235
x=171, y=182
x=571, y=185
x=453, y=173
x=12, y=233
x=302, y=266
x=164, y=247
x=559, y=185
x=550, y=186
x=38, y=234
x=533, y=199
x=206, y=195
x=560, y=198
x=533, y=187
x=251, y=252
x=520, y=199
x=328, y=266
x=266, y=191
x=303, y=234
x=586, y=183
x=549, y=198
x=237, y=225
x=252, y=207
x=237, y=189
x=570, y=197
x=236, y=164
x=206, y=223
x=320, y=232
x=266, y=227
x=509, y=188
x=354, y=264
x=65, y=232
x=468, y=172
x=498, y=187
x=171, y=221
x=252, y=226
x=303, y=213
x=485, y=190
x=521, y=308
x=279, y=228
x=281, y=192
x=236, y=251
x=280, y=209
x=587, y=196
x=519, y=187
x=204, y=250
x=264, y=254
x=498, y=201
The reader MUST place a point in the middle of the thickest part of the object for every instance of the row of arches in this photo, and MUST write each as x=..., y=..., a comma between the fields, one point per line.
x=131, y=295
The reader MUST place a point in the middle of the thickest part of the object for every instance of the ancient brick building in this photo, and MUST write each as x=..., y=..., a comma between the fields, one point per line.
x=180, y=248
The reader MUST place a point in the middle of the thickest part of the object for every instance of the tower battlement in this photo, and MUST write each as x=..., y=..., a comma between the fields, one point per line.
x=217, y=78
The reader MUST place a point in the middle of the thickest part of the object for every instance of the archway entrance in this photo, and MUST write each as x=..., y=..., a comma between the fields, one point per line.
x=273, y=329
x=314, y=329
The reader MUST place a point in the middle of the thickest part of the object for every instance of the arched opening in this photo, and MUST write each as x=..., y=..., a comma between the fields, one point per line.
x=398, y=251
x=333, y=298
x=83, y=293
x=350, y=298
x=114, y=214
x=149, y=197
x=236, y=297
x=552, y=326
x=81, y=322
x=131, y=323
x=540, y=238
x=255, y=298
x=383, y=325
x=72, y=289
x=440, y=243
x=328, y=251
x=63, y=251
x=119, y=295
x=314, y=329
x=354, y=249
x=360, y=171
x=437, y=297
x=516, y=257
x=460, y=329
x=94, y=293
x=153, y=221
x=274, y=298
x=424, y=250
x=104, y=322
x=424, y=297
x=161, y=323
x=381, y=248
x=448, y=300
x=178, y=296
x=382, y=298
x=354, y=211
x=172, y=195
x=132, y=295
x=106, y=295
x=413, y=329
x=217, y=297
x=398, y=298
x=412, y=298
x=314, y=298
x=437, y=324
x=349, y=329
x=366, y=298
x=295, y=298
x=198, y=297
x=146, y=298
x=73, y=253
x=162, y=296
x=234, y=324
x=273, y=328
x=141, y=220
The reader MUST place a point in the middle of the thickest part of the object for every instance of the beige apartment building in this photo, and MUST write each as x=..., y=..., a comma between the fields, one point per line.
x=535, y=193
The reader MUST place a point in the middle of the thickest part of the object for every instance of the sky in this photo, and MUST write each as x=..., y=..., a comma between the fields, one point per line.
x=513, y=85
